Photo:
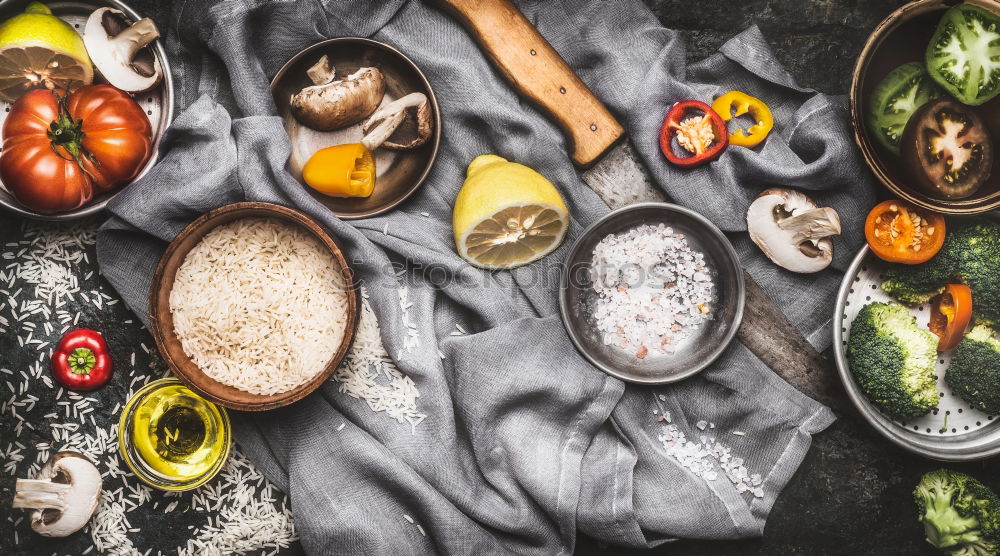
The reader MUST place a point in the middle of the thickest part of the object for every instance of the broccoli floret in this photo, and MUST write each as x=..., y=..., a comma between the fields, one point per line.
x=978, y=247
x=970, y=254
x=974, y=373
x=961, y=516
x=892, y=359
x=918, y=283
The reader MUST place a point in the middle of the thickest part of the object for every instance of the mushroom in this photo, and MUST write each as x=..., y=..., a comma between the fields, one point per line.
x=338, y=103
x=118, y=50
x=321, y=72
x=404, y=123
x=63, y=496
x=792, y=230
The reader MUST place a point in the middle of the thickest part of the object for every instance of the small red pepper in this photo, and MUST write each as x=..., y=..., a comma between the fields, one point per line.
x=684, y=123
x=81, y=360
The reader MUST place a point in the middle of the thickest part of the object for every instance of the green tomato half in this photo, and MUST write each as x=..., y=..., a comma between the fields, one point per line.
x=895, y=99
x=964, y=54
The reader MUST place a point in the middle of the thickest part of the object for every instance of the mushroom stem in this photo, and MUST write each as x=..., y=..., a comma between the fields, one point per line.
x=383, y=131
x=322, y=72
x=133, y=38
x=37, y=495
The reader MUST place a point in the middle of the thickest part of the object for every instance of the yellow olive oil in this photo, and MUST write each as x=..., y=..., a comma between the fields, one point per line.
x=176, y=438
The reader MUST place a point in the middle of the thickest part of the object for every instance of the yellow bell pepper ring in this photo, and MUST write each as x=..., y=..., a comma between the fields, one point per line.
x=341, y=171
x=734, y=104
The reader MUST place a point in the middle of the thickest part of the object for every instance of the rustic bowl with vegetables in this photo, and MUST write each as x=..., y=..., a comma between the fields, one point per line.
x=115, y=72
x=925, y=107
x=661, y=260
x=915, y=336
x=363, y=122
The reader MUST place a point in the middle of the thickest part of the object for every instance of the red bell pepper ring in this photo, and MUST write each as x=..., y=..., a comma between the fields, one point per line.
x=81, y=360
x=684, y=123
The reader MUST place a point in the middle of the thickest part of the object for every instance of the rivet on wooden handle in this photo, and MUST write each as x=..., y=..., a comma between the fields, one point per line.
x=539, y=74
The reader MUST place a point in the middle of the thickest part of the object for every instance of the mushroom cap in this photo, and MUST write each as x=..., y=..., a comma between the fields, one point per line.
x=116, y=48
x=63, y=495
x=341, y=102
x=792, y=230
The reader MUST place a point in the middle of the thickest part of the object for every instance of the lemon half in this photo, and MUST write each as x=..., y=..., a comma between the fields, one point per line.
x=507, y=215
x=37, y=49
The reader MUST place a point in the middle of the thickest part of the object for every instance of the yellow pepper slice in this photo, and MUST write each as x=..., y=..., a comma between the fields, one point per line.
x=341, y=171
x=734, y=104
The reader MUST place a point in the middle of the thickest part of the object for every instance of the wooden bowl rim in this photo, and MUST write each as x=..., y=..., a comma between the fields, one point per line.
x=868, y=150
x=162, y=326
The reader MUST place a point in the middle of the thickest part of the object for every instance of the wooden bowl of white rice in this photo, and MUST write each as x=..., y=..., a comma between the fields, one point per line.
x=253, y=305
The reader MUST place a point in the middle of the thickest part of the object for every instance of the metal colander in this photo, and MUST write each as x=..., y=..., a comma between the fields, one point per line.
x=954, y=431
x=157, y=103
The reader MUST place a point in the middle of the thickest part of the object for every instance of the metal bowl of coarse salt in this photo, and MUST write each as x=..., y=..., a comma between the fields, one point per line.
x=652, y=293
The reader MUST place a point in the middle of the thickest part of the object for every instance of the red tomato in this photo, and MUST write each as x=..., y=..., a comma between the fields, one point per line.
x=58, y=151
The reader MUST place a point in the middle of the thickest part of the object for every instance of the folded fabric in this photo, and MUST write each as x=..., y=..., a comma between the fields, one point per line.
x=524, y=443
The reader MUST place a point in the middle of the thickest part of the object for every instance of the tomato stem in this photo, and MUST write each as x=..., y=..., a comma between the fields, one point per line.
x=69, y=134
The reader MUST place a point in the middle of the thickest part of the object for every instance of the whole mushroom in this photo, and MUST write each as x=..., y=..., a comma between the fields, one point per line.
x=792, y=230
x=339, y=102
x=118, y=50
x=63, y=496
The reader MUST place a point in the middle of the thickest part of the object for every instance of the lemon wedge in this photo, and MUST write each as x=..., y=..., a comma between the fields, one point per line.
x=37, y=49
x=507, y=215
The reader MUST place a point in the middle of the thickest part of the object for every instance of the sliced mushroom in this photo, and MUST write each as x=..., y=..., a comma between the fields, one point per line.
x=321, y=72
x=119, y=51
x=792, y=230
x=404, y=123
x=341, y=102
x=63, y=496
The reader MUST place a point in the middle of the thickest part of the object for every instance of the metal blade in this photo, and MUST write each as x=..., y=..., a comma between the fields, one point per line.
x=620, y=179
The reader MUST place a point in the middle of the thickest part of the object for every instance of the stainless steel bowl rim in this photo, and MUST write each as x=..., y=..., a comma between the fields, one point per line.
x=168, y=92
x=713, y=231
x=945, y=451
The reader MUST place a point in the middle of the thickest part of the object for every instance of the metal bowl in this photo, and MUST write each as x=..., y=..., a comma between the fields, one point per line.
x=577, y=297
x=158, y=104
x=162, y=323
x=970, y=434
x=902, y=37
x=399, y=173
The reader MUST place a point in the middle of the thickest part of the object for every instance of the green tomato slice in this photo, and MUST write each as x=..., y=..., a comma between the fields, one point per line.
x=964, y=54
x=895, y=99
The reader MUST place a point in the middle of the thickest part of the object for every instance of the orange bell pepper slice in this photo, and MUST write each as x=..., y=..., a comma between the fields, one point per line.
x=898, y=232
x=341, y=171
x=951, y=312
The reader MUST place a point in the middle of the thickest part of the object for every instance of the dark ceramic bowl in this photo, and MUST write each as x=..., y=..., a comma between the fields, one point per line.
x=903, y=37
x=399, y=173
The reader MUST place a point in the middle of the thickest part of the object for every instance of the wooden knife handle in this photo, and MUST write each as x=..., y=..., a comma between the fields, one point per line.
x=539, y=74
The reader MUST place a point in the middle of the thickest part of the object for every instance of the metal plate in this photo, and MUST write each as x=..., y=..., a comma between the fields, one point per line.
x=158, y=104
x=399, y=173
x=970, y=434
x=577, y=297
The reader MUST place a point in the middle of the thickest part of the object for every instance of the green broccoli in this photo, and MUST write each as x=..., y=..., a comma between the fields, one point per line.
x=974, y=373
x=970, y=254
x=961, y=516
x=979, y=267
x=892, y=359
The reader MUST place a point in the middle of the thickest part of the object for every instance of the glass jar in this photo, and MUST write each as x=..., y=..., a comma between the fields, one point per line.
x=172, y=438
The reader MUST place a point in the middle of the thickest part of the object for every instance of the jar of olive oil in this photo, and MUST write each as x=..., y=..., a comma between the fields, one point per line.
x=171, y=438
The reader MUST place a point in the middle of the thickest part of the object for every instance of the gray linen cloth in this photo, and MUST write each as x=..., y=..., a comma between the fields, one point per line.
x=525, y=443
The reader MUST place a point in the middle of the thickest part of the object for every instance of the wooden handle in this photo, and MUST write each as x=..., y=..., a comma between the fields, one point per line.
x=538, y=73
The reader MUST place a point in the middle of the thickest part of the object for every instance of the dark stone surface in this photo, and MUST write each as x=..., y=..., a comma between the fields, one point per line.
x=852, y=493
